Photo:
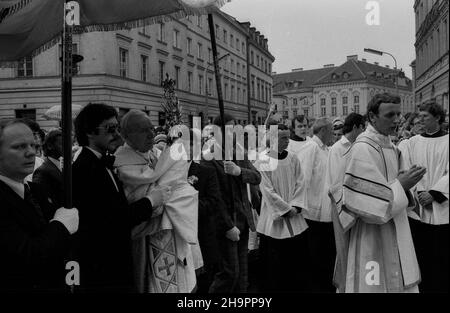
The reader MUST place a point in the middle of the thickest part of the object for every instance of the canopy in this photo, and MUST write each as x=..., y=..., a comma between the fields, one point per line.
x=28, y=27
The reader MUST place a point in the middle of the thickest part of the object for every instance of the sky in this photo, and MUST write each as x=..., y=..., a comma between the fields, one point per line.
x=311, y=33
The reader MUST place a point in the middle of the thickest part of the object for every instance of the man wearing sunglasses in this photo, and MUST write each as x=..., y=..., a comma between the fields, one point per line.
x=103, y=245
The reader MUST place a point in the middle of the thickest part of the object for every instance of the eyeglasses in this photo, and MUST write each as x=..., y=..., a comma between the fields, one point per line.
x=111, y=128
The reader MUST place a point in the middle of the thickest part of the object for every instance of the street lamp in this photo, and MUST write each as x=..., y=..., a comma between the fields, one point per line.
x=207, y=86
x=378, y=52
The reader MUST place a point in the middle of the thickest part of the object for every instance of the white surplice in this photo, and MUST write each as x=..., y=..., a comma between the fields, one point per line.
x=373, y=209
x=281, y=187
x=433, y=154
x=313, y=158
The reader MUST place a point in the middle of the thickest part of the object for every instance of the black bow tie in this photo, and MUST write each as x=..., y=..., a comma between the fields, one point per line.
x=108, y=160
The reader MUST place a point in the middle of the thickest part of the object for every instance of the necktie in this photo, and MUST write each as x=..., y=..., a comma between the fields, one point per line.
x=108, y=160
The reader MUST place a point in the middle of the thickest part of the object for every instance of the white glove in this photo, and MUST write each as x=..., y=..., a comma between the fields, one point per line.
x=68, y=217
x=231, y=168
x=159, y=195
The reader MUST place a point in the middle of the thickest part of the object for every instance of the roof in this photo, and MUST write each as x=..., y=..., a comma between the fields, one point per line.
x=354, y=70
x=305, y=79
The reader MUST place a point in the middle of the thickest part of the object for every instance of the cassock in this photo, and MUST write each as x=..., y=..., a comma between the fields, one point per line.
x=430, y=225
x=313, y=158
x=295, y=146
x=373, y=210
x=336, y=165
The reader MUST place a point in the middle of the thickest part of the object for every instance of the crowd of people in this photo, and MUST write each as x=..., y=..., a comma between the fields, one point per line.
x=353, y=205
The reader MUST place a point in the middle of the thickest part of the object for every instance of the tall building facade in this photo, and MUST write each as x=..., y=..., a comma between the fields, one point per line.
x=336, y=91
x=125, y=69
x=431, y=64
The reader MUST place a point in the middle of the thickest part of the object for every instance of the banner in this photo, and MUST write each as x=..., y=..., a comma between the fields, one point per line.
x=28, y=27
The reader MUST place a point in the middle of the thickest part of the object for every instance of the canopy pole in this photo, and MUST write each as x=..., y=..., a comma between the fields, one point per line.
x=212, y=32
x=66, y=108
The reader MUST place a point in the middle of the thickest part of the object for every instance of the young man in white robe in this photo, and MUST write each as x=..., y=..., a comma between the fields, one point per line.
x=373, y=209
x=317, y=212
x=299, y=134
x=354, y=125
x=280, y=225
x=429, y=222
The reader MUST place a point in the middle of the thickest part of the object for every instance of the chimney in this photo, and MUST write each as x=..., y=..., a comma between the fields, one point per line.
x=352, y=57
x=328, y=65
x=376, y=63
x=297, y=69
x=364, y=60
x=387, y=66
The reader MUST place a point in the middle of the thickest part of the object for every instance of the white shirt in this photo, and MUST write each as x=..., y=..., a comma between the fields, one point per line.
x=296, y=146
x=99, y=156
x=18, y=188
x=313, y=159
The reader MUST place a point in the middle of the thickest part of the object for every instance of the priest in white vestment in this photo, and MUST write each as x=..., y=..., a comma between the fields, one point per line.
x=317, y=211
x=373, y=209
x=430, y=221
x=354, y=125
x=165, y=248
x=299, y=134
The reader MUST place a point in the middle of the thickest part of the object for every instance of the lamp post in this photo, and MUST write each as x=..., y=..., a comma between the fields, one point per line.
x=378, y=52
x=208, y=87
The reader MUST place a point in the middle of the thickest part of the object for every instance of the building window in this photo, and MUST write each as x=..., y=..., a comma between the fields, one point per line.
x=323, y=112
x=217, y=31
x=123, y=59
x=294, y=113
x=238, y=94
x=322, y=101
x=200, y=51
x=199, y=21
x=232, y=93
x=209, y=88
x=243, y=48
x=232, y=40
x=306, y=112
x=200, y=84
x=333, y=101
x=253, y=88
x=356, y=99
x=333, y=111
x=225, y=36
x=161, y=72
x=189, y=46
x=190, y=81
x=344, y=100
x=209, y=55
x=357, y=108
x=26, y=113
x=295, y=101
x=257, y=60
x=161, y=32
x=232, y=66
x=251, y=58
x=345, y=110
x=225, y=91
x=144, y=68
x=177, y=77
x=176, y=38
x=238, y=44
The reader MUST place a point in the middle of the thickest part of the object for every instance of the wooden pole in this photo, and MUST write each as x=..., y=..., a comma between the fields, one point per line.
x=212, y=32
x=66, y=109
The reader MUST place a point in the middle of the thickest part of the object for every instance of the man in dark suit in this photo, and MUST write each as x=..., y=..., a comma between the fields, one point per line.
x=49, y=175
x=104, y=237
x=204, y=180
x=233, y=220
x=32, y=248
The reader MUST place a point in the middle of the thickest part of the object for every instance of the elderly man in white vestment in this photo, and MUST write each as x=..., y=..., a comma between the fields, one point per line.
x=313, y=158
x=430, y=221
x=373, y=209
x=354, y=125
